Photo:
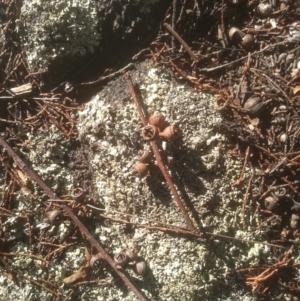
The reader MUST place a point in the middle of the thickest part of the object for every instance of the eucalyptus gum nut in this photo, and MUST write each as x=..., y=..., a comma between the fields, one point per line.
x=96, y=260
x=247, y=41
x=140, y=169
x=53, y=215
x=157, y=119
x=131, y=254
x=145, y=156
x=294, y=222
x=254, y=105
x=121, y=259
x=149, y=132
x=257, y=109
x=169, y=133
x=78, y=194
x=235, y=34
x=271, y=203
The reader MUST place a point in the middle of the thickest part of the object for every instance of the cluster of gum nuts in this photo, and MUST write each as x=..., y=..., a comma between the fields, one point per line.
x=122, y=260
x=157, y=128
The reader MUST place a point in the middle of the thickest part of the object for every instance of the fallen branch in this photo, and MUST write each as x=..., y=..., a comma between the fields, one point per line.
x=158, y=158
x=34, y=176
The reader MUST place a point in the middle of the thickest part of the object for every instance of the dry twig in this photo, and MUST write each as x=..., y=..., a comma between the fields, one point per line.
x=182, y=42
x=262, y=281
x=34, y=176
x=158, y=158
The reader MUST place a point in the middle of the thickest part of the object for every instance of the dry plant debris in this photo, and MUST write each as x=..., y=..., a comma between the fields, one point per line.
x=247, y=54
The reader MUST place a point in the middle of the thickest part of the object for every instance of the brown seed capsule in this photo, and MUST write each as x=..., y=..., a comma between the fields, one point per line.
x=254, y=105
x=140, y=169
x=140, y=268
x=78, y=194
x=238, y=37
x=169, y=133
x=247, y=41
x=131, y=255
x=145, y=156
x=149, y=132
x=271, y=203
x=53, y=215
x=96, y=260
x=235, y=34
x=121, y=259
x=157, y=119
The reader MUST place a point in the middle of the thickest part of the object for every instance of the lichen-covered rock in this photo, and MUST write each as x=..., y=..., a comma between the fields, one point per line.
x=181, y=269
x=58, y=28
x=54, y=30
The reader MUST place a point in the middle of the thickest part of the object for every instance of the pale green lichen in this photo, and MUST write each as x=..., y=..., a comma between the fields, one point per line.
x=58, y=28
x=46, y=154
x=45, y=151
x=52, y=30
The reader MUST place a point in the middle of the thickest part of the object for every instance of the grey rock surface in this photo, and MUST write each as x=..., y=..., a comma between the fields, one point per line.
x=54, y=32
x=180, y=268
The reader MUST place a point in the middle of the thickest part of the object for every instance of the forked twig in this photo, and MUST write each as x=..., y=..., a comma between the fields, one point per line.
x=158, y=158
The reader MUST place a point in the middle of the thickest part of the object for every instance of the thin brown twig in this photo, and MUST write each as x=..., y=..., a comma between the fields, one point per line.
x=34, y=176
x=181, y=41
x=160, y=226
x=241, y=177
x=297, y=289
x=29, y=231
x=108, y=77
x=158, y=158
x=173, y=229
x=93, y=282
x=262, y=281
x=246, y=198
x=268, y=47
x=69, y=295
x=103, y=253
x=21, y=254
x=174, y=8
x=59, y=249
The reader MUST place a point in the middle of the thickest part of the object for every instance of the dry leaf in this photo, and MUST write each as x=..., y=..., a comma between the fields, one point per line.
x=83, y=270
x=296, y=90
x=81, y=273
